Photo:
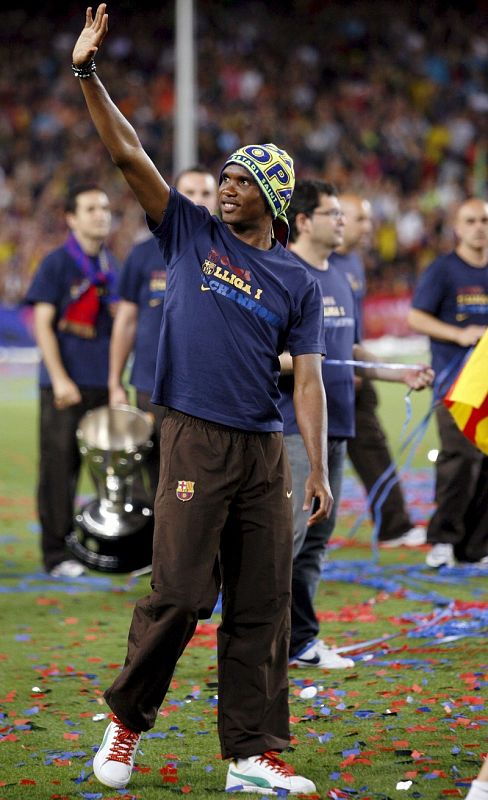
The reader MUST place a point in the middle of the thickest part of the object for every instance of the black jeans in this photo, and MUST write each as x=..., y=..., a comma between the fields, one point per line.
x=370, y=456
x=59, y=469
x=461, y=493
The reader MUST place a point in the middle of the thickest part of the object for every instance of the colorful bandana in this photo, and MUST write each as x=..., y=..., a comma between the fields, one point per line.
x=96, y=287
x=272, y=169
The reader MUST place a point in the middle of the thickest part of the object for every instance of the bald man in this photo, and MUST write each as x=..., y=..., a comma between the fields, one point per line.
x=368, y=451
x=138, y=319
x=450, y=306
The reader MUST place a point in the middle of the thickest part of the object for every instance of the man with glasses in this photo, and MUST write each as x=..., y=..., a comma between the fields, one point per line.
x=316, y=229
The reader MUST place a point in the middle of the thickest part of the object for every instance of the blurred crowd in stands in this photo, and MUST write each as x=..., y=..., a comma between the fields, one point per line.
x=386, y=99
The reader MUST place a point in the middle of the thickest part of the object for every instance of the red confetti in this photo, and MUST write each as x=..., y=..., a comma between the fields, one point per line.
x=169, y=774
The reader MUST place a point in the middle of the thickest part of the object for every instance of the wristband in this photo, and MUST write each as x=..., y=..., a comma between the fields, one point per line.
x=84, y=70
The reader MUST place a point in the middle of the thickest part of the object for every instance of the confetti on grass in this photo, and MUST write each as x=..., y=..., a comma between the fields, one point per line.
x=403, y=703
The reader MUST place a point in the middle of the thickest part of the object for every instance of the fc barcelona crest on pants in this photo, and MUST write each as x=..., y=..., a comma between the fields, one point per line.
x=185, y=490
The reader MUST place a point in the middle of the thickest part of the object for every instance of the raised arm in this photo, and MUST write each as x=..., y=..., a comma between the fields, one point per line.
x=115, y=131
x=311, y=413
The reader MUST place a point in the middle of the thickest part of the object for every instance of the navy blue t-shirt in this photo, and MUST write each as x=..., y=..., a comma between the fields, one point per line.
x=453, y=292
x=351, y=265
x=229, y=310
x=143, y=282
x=55, y=282
x=341, y=333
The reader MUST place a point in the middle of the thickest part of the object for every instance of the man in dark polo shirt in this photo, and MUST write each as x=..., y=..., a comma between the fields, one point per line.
x=450, y=306
x=74, y=296
x=368, y=449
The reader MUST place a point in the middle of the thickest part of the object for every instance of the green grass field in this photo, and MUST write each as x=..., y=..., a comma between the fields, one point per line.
x=409, y=720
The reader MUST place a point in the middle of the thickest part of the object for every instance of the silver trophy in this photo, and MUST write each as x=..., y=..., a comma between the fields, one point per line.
x=114, y=531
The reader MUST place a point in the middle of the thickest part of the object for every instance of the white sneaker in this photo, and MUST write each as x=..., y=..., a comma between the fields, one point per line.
x=68, y=569
x=441, y=555
x=266, y=774
x=114, y=761
x=319, y=655
x=415, y=537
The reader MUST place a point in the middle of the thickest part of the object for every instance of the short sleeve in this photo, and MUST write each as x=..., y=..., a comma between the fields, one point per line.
x=307, y=333
x=430, y=289
x=181, y=221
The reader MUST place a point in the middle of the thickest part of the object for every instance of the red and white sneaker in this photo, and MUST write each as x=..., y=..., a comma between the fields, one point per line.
x=114, y=760
x=266, y=774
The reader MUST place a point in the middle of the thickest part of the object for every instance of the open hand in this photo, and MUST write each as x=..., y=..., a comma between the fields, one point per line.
x=91, y=36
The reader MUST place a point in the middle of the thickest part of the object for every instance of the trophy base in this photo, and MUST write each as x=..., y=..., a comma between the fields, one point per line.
x=122, y=547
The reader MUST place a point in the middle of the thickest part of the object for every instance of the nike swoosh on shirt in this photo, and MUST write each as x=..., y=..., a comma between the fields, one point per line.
x=289, y=494
x=204, y=288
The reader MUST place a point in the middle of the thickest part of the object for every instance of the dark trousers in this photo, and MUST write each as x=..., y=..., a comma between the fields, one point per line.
x=59, y=469
x=461, y=492
x=370, y=456
x=146, y=484
x=233, y=525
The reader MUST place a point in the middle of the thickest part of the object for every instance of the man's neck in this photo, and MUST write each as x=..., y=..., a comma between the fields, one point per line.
x=311, y=254
x=260, y=237
x=475, y=257
x=89, y=246
x=345, y=251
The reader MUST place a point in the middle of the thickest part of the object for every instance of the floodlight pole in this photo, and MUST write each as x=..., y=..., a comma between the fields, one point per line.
x=185, y=139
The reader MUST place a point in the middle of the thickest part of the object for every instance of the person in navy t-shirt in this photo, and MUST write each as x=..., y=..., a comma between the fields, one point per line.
x=223, y=513
x=368, y=450
x=450, y=306
x=317, y=225
x=138, y=320
x=74, y=297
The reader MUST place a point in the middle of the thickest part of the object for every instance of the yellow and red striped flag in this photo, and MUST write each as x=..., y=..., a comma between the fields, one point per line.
x=467, y=398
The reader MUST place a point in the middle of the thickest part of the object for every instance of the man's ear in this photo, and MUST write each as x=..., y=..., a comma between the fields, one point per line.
x=301, y=221
x=69, y=219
